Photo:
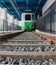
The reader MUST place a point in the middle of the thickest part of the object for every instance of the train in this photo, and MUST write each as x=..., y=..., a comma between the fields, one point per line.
x=28, y=20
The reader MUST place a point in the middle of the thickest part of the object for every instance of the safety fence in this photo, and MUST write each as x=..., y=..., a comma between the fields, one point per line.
x=8, y=26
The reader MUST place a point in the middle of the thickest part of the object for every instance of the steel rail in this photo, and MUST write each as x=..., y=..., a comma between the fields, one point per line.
x=51, y=39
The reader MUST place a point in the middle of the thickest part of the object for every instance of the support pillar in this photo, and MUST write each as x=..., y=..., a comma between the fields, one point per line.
x=4, y=18
x=15, y=24
x=12, y=22
x=1, y=21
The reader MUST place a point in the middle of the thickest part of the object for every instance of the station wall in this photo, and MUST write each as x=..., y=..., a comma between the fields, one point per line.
x=47, y=22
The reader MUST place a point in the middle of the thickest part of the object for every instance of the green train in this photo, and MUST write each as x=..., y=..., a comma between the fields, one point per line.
x=28, y=20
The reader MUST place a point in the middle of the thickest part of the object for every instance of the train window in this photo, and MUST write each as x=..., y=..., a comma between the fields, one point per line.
x=27, y=17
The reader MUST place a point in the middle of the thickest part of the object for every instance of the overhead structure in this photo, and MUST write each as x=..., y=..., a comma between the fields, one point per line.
x=16, y=7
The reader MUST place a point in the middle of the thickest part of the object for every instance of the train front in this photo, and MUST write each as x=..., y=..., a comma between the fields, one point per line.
x=28, y=20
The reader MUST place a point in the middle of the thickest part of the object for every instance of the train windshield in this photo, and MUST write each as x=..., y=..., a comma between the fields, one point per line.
x=27, y=17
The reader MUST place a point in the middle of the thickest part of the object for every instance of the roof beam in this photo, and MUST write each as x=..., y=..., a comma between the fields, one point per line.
x=17, y=6
x=4, y=1
x=37, y=5
x=14, y=7
x=7, y=7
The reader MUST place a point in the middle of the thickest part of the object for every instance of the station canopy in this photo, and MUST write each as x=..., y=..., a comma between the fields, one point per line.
x=16, y=7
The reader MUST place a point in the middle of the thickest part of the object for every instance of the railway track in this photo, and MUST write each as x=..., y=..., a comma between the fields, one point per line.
x=52, y=39
x=27, y=49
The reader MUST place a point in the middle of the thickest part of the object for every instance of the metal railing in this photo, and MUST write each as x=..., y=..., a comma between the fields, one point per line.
x=8, y=26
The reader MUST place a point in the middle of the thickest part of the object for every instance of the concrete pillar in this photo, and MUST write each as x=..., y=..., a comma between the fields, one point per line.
x=38, y=17
x=1, y=22
x=55, y=27
x=0, y=13
x=8, y=19
x=15, y=24
x=12, y=22
x=18, y=25
x=4, y=18
x=4, y=14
